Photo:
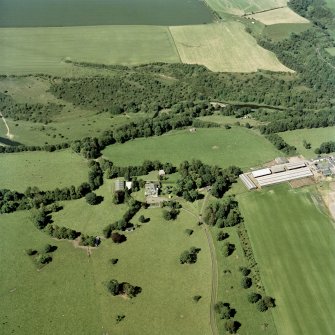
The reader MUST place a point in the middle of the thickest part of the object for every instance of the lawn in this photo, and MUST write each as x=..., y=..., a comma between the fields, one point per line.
x=38, y=50
x=42, y=169
x=294, y=245
x=223, y=47
x=236, y=146
x=240, y=7
x=315, y=136
x=280, y=15
x=69, y=295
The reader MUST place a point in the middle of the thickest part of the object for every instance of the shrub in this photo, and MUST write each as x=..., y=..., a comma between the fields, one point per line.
x=118, y=238
x=269, y=301
x=261, y=306
x=114, y=261
x=254, y=297
x=47, y=248
x=113, y=287
x=245, y=271
x=224, y=310
x=189, y=256
x=119, y=318
x=91, y=198
x=43, y=259
x=189, y=232
x=232, y=326
x=246, y=282
x=222, y=235
x=228, y=249
x=31, y=252
x=142, y=219
x=196, y=298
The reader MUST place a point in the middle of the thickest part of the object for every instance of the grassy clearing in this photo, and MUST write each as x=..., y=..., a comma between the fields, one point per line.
x=294, y=244
x=37, y=50
x=240, y=7
x=280, y=15
x=42, y=169
x=278, y=32
x=331, y=51
x=70, y=292
x=224, y=47
x=231, y=120
x=314, y=136
x=238, y=146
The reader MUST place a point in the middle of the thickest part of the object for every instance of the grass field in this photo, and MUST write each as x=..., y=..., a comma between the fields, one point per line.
x=69, y=295
x=231, y=120
x=280, y=15
x=240, y=7
x=42, y=169
x=294, y=245
x=314, y=136
x=238, y=146
x=331, y=51
x=278, y=32
x=224, y=47
x=60, y=13
x=37, y=50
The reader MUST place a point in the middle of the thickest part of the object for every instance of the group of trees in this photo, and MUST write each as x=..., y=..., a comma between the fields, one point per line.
x=189, y=256
x=124, y=288
x=172, y=211
x=280, y=144
x=223, y=213
x=43, y=256
x=262, y=304
x=224, y=310
x=326, y=148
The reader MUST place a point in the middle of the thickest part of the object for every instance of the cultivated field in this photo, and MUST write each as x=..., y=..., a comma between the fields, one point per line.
x=69, y=295
x=60, y=13
x=294, y=245
x=280, y=15
x=224, y=47
x=38, y=50
x=238, y=146
x=240, y=7
x=314, y=136
x=42, y=169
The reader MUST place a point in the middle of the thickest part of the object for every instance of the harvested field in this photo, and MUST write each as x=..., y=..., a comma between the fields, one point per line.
x=224, y=47
x=38, y=50
x=279, y=15
x=240, y=7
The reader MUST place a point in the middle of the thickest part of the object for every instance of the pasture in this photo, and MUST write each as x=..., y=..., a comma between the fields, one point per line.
x=215, y=146
x=46, y=170
x=278, y=32
x=241, y=7
x=223, y=47
x=60, y=13
x=280, y=15
x=313, y=136
x=45, y=50
x=69, y=294
x=294, y=245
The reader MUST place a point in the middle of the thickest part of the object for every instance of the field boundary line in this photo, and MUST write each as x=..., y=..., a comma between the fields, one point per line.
x=174, y=43
x=264, y=11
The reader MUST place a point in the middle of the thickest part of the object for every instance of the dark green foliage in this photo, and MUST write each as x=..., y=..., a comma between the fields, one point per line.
x=232, y=326
x=196, y=298
x=113, y=287
x=170, y=214
x=189, y=256
x=189, y=232
x=246, y=282
x=118, y=238
x=280, y=144
x=142, y=219
x=326, y=148
x=10, y=201
x=118, y=197
x=61, y=232
x=40, y=218
x=92, y=198
x=306, y=144
x=31, y=252
x=269, y=301
x=245, y=271
x=116, y=288
x=42, y=259
x=222, y=235
x=114, y=261
x=254, y=297
x=119, y=318
x=95, y=175
x=87, y=240
x=228, y=249
x=224, y=310
x=261, y=306
x=48, y=248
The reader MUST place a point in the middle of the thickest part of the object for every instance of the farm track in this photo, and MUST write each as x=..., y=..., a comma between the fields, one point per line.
x=9, y=135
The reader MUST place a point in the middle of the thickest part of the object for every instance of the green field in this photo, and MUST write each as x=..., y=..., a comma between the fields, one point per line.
x=315, y=136
x=38, y=50
x=68, y=296
x=294, y=245
x=231, y=120
x=60, y=13
x=331, y=51
x=238, y=146
x=278, y=32
x=240, y=7
x=224, y=47
x=42, y=169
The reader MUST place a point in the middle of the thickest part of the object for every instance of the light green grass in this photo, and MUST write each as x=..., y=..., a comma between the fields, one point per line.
x=69, y=296
x=37, y=50
x=315, y=136
x=238, y=146
x=42, y=169
x=331, y=51
x=223, y=47
x=294, y=245
x=230, y=120
x=240, y=7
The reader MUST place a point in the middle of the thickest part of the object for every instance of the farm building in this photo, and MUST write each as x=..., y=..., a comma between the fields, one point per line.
x=284, y=176
x=292, y=166
x=161, y=173
x=281, y=160
x=277, y=168
x=260, y=173
x=129, y=185
x=119, y=185
x=151, y=189
x=248, y=183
